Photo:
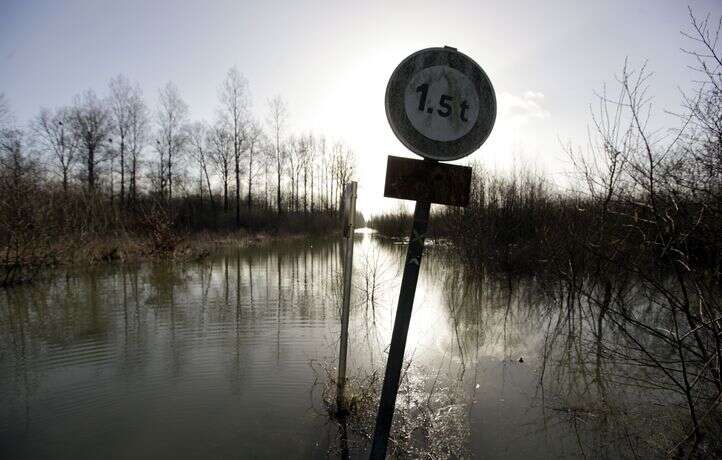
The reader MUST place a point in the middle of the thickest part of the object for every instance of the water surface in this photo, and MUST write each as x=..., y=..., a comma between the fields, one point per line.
x=223, y=357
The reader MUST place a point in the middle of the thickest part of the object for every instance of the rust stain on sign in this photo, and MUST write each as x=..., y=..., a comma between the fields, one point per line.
x=429, y=181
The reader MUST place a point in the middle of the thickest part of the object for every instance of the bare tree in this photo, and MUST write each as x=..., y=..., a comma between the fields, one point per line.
x=254, y=135
x=171, y=117
x=137, y=137
x=277, y=119
x=658, y=196
x=222, y=154
x=296, y=162
x=309, y=170
x=14, y=164
x=233, y=95
x=324, y=165
x=303, y=171
x=200, y=143
x=344, y=164
x=704, y=107
x=23, y=223
x=10, y=136
x=292, y=146
x=53, y=129
x=268, y=159
x=91, y=126
x=124, y=107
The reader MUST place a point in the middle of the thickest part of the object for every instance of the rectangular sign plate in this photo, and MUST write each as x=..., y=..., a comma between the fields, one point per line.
x=429, y=181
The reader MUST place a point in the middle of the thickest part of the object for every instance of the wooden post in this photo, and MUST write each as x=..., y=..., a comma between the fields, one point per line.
x=401, y=330
x=349, y=220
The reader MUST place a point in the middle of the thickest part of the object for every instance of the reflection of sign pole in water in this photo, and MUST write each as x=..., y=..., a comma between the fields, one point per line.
x=441, y=105
x=349, y=210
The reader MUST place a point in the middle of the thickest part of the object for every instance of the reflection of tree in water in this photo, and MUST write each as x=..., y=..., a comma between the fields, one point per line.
x=57, y=311
x=431, y=420
x=605, y=345
x=616, y=365
x=639, y=361
x=166, y=282
x=57, y=315
x=373, y=271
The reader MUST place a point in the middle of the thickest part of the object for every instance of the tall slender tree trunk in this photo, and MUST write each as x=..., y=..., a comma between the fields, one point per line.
x=250, y=175
x=169, y=172
x=298, y=184
x=91, y=170
x=208, y=183
x=328, y=190
x=292, y=204
x=112, y=183
x=133, y=166
x=200, y=187
x=305, y=192
x=238, y=185
x=225, y=185
x=278, y=181
x=122, y=171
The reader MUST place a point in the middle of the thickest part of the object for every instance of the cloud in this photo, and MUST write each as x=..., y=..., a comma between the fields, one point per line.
x=522, y=109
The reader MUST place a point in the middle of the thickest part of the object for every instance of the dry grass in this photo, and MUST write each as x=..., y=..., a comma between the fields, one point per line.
x=430, y=421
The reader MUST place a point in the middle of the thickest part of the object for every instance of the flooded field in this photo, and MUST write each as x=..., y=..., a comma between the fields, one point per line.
x=229, y=357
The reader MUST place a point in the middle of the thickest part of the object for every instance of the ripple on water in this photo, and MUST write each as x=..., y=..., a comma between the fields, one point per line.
x=199, y=359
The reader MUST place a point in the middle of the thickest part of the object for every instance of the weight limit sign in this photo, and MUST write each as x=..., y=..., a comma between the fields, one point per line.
x=440, y=104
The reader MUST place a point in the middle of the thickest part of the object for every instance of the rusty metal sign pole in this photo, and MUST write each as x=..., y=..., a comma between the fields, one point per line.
x=401, y=330
x=350, y=217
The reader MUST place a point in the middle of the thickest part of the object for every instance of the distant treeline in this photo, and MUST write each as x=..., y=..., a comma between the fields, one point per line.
x=110, y=165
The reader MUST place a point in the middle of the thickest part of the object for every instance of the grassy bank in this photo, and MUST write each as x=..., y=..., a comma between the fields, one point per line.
x=70, y=227
x=74, y=251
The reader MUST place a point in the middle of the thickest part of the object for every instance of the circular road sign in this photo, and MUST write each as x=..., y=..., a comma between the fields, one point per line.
x=440, y=104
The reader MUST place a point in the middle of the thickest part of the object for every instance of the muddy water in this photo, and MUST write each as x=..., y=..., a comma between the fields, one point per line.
x=225, y=357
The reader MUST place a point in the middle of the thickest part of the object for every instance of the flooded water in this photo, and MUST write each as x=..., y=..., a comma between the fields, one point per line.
x=228, y=357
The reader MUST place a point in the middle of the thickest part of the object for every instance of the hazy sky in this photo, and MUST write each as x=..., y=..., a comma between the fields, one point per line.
x=331, y=61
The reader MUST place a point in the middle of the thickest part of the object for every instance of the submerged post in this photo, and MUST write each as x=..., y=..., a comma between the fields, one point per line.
x=441, y=105
x=348, y=230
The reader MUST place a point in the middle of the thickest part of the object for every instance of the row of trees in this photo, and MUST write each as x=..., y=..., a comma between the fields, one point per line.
x=118, y=147
x=108, y=167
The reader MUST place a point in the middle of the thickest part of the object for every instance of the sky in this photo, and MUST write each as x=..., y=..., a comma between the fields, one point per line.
x=331, y=61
